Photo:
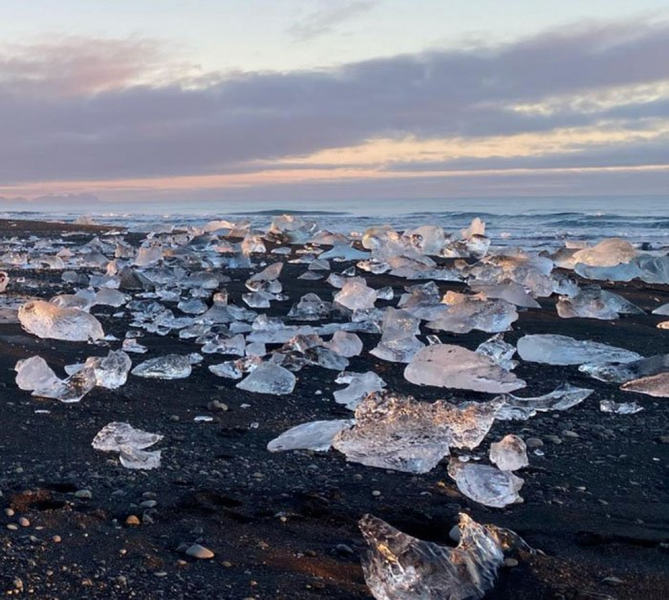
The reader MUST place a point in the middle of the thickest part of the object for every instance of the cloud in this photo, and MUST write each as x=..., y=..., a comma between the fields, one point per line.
x=327, y=19
x=83, y=110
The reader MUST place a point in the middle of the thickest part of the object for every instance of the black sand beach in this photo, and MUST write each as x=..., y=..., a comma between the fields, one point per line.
x=284, y=526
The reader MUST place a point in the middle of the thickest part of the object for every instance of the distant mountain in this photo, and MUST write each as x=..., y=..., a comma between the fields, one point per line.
x=51, y=201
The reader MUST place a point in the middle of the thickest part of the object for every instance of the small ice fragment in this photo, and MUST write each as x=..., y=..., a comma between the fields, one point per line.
x=485, y=484
x=398, y=339
x=563, y=350
x=316, y=435
x=622, y=372
x=203, y=419
x=509, y=454
x=595, y=303
x=500, y=351
x=607, y=253
x=563, y=397
x=360, y=385
x=130, y=443
x=345, y=344
x=619, y=408
x=111, y=372
x=355, y=294
x=268, y=378
x=33, y=374
x=471, y=312
x=46, y=320
x=170, y=366
x=446, y=365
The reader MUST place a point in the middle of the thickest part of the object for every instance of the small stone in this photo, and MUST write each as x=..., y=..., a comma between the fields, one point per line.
x=23, y=522
x=376, y=493
x=12, y=526
x=344, y=549
x=83, y=494
x=533, y=442
x=570, y=434
x=663, y=439
x=216, y=405
x=132, y=520
x=149, y=504
x=553, y=439
x=197, y=551
x=612, y=581
x=56, y=539
x=510, y=563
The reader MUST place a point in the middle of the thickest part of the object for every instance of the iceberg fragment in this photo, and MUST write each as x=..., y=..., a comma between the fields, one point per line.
x=485, y=484
x=509, y=454
x=653, y=385
x=130, y=443
x=445, y=365
x=170, y=366
x=316, y=436
x=268, y=378
x=398, y=339
x=564, y=350
x=46, y=320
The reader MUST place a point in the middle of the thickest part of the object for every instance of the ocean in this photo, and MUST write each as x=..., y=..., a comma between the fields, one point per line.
x=541, y=223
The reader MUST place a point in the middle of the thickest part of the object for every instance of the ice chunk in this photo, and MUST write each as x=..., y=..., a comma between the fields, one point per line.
x=562, y=398
x=653, y=385
x=622, y=372
x=268, y=378
x=619, y=408
x=464, y=313
x=400, y=567
x=398, y=433
x=499, y=351
x=563, y=350
x=310, y=308
x=46, y=320
x=148, y=255
x=33, y=374
x=508, y=290
x=595, y=303
x=360, y=385
x=451, y=366
x=345, y=344
x=398, y=340
x=485, y=484
x=355, y=294
x=109, y=297
x=608, y=253
x=317, y=436
x=111, y=372
x=130, y=443
x=509, y=454
x=170, y=366
x=662, y=310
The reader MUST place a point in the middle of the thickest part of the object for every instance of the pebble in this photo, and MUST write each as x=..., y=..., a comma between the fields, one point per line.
x=9, y=512
x=83, y=494
x=570, y=434
x=533, y=442
x=197, y=551
x=376, y=493
x=23, y=522
x=12, y=526
x=510, y=563
x=132, y=520
x=56, y=539
x=553, y=439
x=216, y=405
x=149, y=504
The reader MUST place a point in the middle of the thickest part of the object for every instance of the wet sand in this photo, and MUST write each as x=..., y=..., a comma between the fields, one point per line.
x=285, y=525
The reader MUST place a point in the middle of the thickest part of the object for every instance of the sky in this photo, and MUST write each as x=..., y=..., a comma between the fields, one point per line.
x=167, y=101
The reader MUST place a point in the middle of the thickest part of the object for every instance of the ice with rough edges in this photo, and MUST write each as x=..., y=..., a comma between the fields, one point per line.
x=485, y=484
x=563, y=397
x=594, y=303
x=359, y=385
x=398, y=339
x=554, y=349
x=130, y=443
x=509, y=454
x=471, y=312
x=316, y=436
x=34, y=375
x=170, y=366
x=499, y=351
x=619, y=408
x=111, y=371
x=398, y=566
x=356, y=295
x=620, y=373
x=268, y=378
x=46, y=320
x=450, y=366
x=401, y=434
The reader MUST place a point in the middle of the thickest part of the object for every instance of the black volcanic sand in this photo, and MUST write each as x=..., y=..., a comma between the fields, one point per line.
x=285, y=525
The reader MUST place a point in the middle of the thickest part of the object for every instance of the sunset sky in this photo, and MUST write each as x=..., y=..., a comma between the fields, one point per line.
x=171, y=101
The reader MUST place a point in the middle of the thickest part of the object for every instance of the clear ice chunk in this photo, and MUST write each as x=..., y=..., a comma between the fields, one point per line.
x=130, y=443
x=34, y=374
x=509, y=454
x=316, y=436
x=111, y=372
x=345, y=344
x=170, y=366
x=446, y=365
x=622, y=372
x=499, y=351
x=46, y=320
x=472, y=312
x=485, y=484
x=355, y=294
x=268, y=378
x=619, y=408
x=607, y=253
x=401, y=434
x=564, y=397
x=398, y=566
x=359, y=386
x=595, y=303
x=563, y=350
x=398, y=339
